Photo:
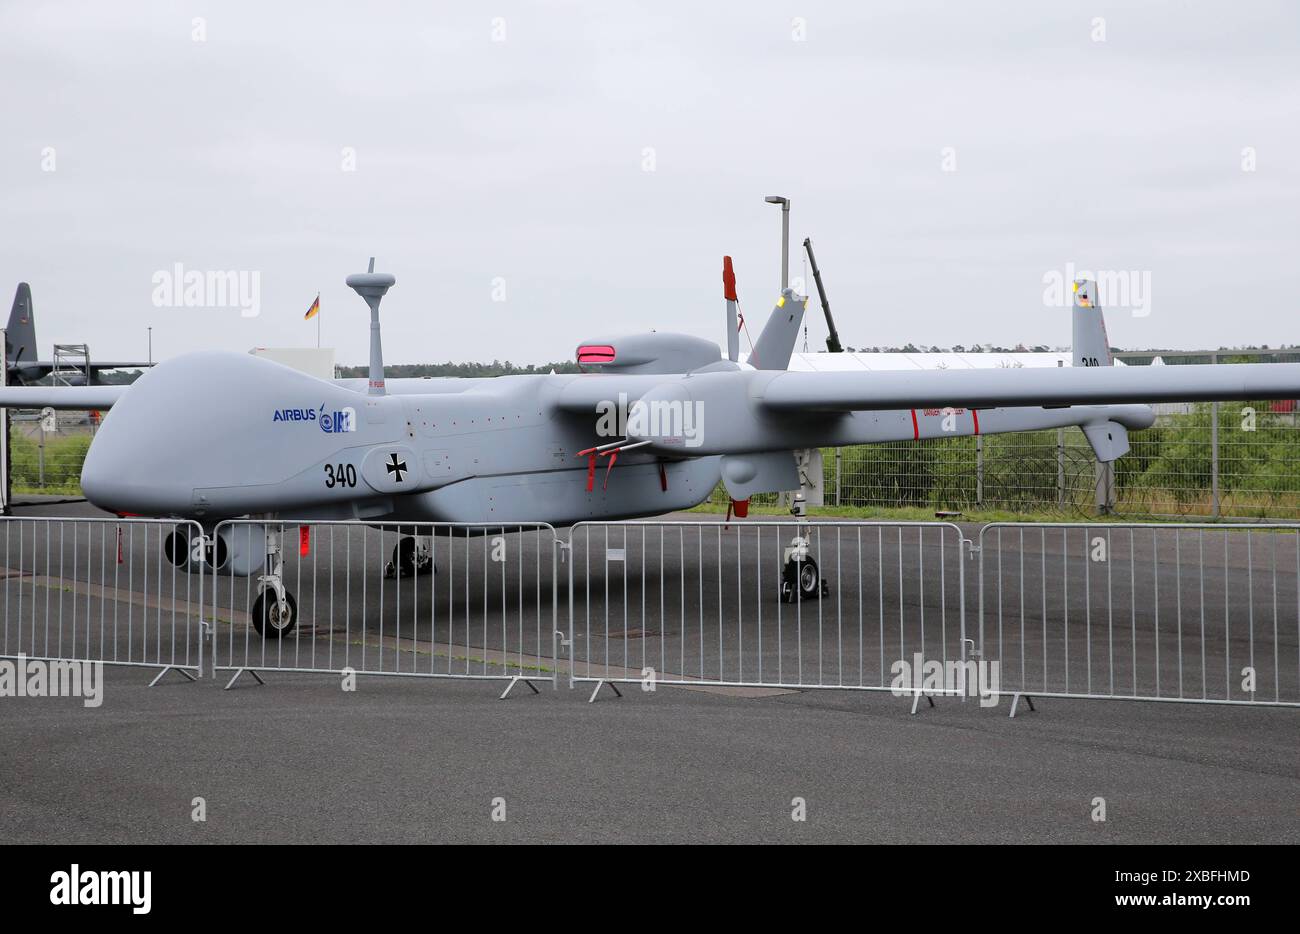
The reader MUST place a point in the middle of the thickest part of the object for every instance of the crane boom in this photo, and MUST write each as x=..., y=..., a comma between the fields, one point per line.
x=833, y=337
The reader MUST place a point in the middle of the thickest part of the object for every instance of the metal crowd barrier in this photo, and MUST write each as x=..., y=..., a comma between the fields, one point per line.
x=713, y=604
x=101, y=590
x=426, y=599
x=1193, y=613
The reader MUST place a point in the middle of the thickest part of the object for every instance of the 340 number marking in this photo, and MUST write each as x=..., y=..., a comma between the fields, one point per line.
x=340, y=475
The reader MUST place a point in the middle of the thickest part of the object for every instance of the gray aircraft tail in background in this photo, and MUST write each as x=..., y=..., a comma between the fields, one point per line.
x=21, y=357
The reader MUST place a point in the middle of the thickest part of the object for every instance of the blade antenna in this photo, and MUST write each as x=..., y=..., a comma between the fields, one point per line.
x=729, y=294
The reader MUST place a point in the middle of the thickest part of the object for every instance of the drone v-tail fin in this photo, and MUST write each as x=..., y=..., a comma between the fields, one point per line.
x=774, y=346
x=1090, y=346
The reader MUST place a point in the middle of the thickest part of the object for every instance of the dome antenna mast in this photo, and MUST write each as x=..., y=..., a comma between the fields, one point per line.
x=372, y=286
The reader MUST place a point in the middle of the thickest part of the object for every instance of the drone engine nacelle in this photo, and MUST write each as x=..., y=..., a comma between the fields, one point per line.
x=234, y=549
x=184, y=550
x=238, y=549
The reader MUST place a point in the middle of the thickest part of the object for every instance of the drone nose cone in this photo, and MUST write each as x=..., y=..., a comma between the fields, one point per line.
x=144, y=458
x=207, y=433
x=117, y=476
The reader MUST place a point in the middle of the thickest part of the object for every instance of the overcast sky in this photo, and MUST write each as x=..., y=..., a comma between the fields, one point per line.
x=944, y=158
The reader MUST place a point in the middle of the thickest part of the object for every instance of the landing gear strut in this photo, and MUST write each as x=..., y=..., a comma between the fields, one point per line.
x=800, y=578
x=411, y=556
x=275, y=611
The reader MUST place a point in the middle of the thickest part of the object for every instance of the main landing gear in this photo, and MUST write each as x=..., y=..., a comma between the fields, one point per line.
x=800, y=578
x=411, y=556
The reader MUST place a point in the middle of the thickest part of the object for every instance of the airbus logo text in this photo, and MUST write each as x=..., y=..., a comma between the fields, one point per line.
x=335, y=422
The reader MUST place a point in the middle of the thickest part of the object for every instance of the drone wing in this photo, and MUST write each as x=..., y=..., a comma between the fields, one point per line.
x=979, y=389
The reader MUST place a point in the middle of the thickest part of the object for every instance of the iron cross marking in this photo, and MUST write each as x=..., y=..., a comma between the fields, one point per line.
x=396, y=466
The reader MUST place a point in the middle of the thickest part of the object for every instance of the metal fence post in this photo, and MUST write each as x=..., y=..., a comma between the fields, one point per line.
x=980, y=654
x=1214, y=488
x=573, y=640
x=203, y=623
x=962, y=556
x=839, y=471
x=1105, y=480
x=1060, y=468
x=1214, y=459
x=979, y=471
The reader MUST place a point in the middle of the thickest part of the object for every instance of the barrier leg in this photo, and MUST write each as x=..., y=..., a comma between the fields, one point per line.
x=1015, y=700
x=916, y=700
x=599, y=684
x=231, y=683
x=158, y=677
x=515, y=680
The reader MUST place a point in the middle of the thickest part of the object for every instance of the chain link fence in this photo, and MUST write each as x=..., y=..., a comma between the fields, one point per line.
x=46, y=452
x=1213, y=460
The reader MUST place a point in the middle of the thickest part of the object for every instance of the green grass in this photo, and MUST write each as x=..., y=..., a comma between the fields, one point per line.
x=72, y=489
x=900, y=514
x=63, y=459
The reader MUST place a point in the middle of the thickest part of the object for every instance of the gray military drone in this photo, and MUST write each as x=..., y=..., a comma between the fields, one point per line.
x=215, y=435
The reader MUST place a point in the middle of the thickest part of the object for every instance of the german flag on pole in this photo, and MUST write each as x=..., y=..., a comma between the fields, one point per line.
x=313, y=310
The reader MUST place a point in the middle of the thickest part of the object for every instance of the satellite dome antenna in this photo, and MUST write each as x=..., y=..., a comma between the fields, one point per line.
x=371, y=286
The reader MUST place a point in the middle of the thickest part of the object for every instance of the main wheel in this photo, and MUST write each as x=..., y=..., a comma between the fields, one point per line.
x=407, y=560
x=802, y=579
x=404, y=556
x=270, y=621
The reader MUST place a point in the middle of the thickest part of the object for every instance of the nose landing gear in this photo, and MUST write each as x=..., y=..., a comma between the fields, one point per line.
x=275, y=611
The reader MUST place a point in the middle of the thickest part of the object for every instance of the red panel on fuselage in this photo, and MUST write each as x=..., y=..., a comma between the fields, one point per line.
x=595, y=353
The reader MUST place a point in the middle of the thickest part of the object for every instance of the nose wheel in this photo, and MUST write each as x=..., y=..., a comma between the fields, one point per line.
x=272, y=618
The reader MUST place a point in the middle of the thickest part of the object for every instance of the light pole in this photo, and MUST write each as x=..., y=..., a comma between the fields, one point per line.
x=151, y=346
x=785, y=237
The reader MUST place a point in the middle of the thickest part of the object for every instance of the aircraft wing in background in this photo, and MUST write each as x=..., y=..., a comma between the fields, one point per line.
x=61, y=397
